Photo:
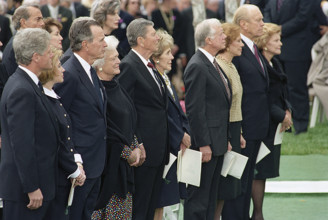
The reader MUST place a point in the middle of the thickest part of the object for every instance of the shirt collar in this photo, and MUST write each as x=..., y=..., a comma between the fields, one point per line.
x=207, y=54
x=141, y=57
x=50, y=93
x=30, y=74
x=248, y=42
x=86, y=66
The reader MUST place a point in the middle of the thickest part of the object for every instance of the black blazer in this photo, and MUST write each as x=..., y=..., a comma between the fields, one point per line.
x=255, y=101
x=65, y=17
x=88, y=117
x=177, y=121
x=66, y=151
x=278, y=97
x=30, y=141
x=296, y=20
x=151, y=106
x=207, y=105
x=9, y=59
x=5, y=32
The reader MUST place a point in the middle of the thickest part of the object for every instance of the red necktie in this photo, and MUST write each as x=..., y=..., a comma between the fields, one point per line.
x=256, y=53
x=224, y=80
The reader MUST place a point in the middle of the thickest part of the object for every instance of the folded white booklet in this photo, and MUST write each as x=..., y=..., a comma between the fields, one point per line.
x=279, y=136
x=264, y=150
x=168, y=166
x=228, y=160
x=189, y=167
x=238, y=165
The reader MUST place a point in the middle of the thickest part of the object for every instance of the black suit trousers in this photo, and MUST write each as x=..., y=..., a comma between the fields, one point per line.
x=298, y=92
x=238, y=208
x=148, y=182
x=201, y=201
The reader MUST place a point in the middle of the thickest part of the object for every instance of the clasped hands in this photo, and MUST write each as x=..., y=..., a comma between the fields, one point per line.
x=287, y=122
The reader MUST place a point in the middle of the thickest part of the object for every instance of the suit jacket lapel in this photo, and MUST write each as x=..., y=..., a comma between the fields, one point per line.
x=43, y=99
x=146, y=74
x=214, y=73
x=251, y=57
x=88, y=84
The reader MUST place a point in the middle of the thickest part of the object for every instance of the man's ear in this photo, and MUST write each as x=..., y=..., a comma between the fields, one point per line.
x=141, y=41
x=22, y=22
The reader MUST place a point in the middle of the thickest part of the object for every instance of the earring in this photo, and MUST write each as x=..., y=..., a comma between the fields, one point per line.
x=265, y=48
x=100, y=69
x=157, y=61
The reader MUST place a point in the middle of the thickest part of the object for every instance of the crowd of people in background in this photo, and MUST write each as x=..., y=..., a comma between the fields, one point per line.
x=96, y=95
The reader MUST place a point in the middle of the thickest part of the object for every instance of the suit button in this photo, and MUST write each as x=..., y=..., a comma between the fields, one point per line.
x=61, y=104
x=71, y=150
x=67, y=126
x=64, y=115
x=68, y=138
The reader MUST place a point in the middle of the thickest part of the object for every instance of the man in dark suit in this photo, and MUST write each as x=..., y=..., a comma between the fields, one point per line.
x=147, y=90
x=208, y=98
x=83, y=97
x=296, y=20
x=26, y=16
x=188, y=44
x=255, y=104
x=30, y=138
x=63, y=15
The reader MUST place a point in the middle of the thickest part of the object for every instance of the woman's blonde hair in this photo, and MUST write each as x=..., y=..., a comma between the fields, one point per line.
x=232, y=31
x=48, y=75
x=165, y=41
x=269, y=29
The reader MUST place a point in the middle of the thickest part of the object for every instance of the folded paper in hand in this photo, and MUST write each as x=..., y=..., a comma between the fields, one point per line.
x=264, y=150
x=189, y=167
x=233, y=164
x=279, y=136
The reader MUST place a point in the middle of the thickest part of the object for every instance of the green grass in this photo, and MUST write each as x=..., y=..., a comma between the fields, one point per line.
x=315, y=141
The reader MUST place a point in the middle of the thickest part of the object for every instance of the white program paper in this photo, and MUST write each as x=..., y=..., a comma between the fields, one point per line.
x=168, y=166
x=238, y=166
x=189, y=167
x=264, y=150
x=278, y=136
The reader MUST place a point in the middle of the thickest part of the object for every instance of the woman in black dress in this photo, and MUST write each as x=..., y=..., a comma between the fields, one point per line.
x=70, y=161
x=280, y=112
x=123, y=148
x=171, y=191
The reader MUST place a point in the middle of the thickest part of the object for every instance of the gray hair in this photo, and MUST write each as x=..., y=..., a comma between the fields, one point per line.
x=137, y=28
x=80, y=31
x=243, y=13
x=101, y=8
x=205, y=29
x=112, y=43
x=29, y=41
x=22, y=12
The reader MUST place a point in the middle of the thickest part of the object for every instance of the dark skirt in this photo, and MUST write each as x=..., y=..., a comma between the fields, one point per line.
x=268, y=167
x=171, y=190
x=230, y=187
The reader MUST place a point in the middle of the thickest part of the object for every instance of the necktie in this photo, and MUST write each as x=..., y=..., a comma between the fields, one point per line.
x=279, y=4
x=159, y=82
x=256, y=53
x=224, y=80
x=96, y=84
x=40, y=86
